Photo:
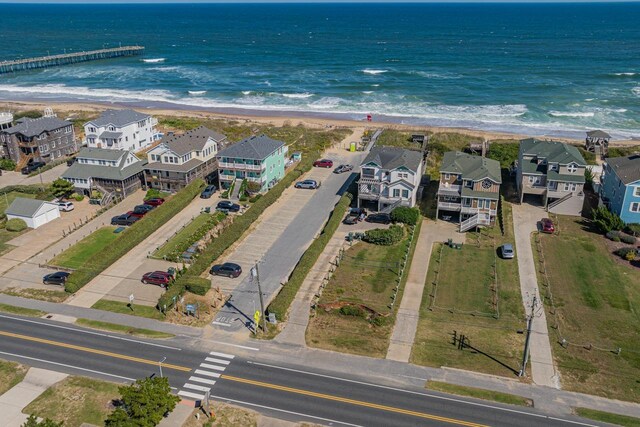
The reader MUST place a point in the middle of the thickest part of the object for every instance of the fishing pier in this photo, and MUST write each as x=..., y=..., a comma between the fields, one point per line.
x=68, y=58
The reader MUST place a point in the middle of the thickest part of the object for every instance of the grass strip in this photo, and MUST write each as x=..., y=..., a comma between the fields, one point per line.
x=123, y=329
x=479, y=393
x=124, y=308
x=608, y=417
x=80, y=253
x=11, y=373
x=21, y=311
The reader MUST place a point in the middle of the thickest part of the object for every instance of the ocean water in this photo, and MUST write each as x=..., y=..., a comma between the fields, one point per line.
x=554, y=69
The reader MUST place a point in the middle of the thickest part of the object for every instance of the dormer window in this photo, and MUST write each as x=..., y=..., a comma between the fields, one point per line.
x=572, y=168
x=447, y=176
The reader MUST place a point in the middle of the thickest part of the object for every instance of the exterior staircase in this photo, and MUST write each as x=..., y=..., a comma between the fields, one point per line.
x=550, y=206
x=570, y=204
x=391, y=207
x=473, y=222
x=236, y=190
x=24, y=160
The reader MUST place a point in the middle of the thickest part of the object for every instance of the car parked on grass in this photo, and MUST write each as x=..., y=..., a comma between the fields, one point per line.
x=323, y=163
x=160, y=278
x=506, y=251
x=65, y=206
x=308, y=184
x=546, y=226
x=343, y=169
x=379, y=218
x=156, y=201
x=31, y=167
x=228, y=269
x=227, y=206
x=124, y=219
x=208, y=191
x=57, y=278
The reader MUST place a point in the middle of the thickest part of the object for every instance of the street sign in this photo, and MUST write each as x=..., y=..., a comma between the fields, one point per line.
x=254, y=273
x=131, y=299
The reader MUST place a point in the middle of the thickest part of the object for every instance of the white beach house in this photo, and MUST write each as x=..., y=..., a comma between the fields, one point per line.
x=121, y=130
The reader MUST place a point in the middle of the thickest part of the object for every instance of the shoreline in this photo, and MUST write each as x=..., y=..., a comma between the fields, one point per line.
x=274, y=118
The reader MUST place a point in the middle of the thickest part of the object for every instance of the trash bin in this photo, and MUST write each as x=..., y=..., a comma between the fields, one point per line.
x=207, y=209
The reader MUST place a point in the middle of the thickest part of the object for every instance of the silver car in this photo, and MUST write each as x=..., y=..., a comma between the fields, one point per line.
x=506, y=251
x=309, y=184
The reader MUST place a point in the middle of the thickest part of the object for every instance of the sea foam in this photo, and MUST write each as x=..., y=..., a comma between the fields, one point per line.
x=153, y=60
x=374, y=72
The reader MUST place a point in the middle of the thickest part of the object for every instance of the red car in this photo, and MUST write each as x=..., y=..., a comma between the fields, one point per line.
x=323, y=163
x=547, y=225
x=156, y=201
x=160, y=278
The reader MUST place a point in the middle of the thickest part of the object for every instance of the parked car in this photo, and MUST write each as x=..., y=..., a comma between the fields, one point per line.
x=160, y=278
x=65, y=206
x=145, y=208
x=71, y=161
x=547, y=225
x=506, y=251
x=227, y=206
x=124, y=219
x=57, y=278
x=323, y=163
x=228, y=269
x=379, y=218
x=350, y=220
x=343, y=169
x=208, y=192
x=140, y=210
x=156, y=201
x=32, y=167
x=309, y=184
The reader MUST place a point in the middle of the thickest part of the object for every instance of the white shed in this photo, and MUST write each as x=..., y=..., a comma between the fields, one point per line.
x=34, y=212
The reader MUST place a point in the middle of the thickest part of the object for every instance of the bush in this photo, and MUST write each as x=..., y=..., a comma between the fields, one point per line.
x=7, y=164
x=253, y=187
x=385, y=237
x=623, y=252
x=352, y=310
x=196, y=285
x=78, y=197
x=15, y=224
x=630, y=256
x=154, y=193
x=630, y=240
x=380, y=320
x=633, y=229
x=167, y=299
x=506, y=154
x=133, y=236
x=243, y=198
x=611, y=235
x=606, y=220
x=61, y=188
x=255, y=198
x=405, y=215
x=95, y=194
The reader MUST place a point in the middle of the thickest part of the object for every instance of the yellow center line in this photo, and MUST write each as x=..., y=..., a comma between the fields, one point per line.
x=352, y=401
x=95, y=351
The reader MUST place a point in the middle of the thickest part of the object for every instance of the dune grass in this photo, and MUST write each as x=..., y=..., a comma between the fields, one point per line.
x=608, y=417
x=11, y=373
x=122, y=329
x=478, y=393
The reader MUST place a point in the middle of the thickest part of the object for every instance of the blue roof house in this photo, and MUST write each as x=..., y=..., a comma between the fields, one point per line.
x=620, y=187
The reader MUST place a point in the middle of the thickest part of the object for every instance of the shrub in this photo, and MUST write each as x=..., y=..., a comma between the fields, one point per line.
x=243, y=198
x=632, y=229
x=7, y=164
x=630, y=256
x=611, y=235
x=78, y=197
x=615, y=238
x=153, y=193
x=167, y=299
x=606, y=220
x=95, y=194
x=61, y=187
x=380, y=320
x=253, y=187
x=352, y=310
x=405, y=215
x=15, y=224
x=255, y=198
x=630, y=240
x=622, y=252
x=196, y=285
x=385, y=237
x=506, y=154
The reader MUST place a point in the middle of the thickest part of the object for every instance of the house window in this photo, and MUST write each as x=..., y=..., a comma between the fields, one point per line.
x=636, y=191
x=447, y=176
x=405, y=194
x=396, y=192
x=572, y=168
x=635, y=207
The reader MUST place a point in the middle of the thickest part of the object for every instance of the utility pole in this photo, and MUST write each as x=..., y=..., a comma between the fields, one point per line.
x=160, y=365
x=257, y=276
x=525, y=357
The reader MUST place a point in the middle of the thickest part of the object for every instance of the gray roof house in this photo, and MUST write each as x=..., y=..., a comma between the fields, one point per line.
x=118, y=118
x=121, y=130
x=42, y=139
x=34, y=213
x=255, y=148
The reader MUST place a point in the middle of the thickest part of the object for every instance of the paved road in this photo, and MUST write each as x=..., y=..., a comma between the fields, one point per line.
x=287, y=391
x=16, y=178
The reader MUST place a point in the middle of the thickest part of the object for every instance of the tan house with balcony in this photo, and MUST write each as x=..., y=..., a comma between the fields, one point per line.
x=554, y=171
x=469, y=189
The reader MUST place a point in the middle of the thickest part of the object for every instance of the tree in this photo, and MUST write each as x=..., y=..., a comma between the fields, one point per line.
x=405, y=215
x=7, y=164
x=143, y=403
x=606, y=220
x=32, y=421
x=61, y=188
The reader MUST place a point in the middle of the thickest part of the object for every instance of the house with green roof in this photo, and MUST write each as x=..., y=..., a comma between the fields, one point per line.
x=554, y=171
x=469, y=190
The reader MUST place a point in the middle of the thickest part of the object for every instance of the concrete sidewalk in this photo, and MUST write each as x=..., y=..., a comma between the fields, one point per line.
x=404, y=331
x=18, y=397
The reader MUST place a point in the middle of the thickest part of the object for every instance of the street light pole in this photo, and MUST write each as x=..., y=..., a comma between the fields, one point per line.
x=160, y=365
x=525, y=357
x=264, y=322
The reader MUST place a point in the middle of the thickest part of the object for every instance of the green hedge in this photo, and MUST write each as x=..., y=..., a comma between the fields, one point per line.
x=15, y=224
x=133, y=236
x=175, y=290
x=282, y=301
x=385, y=237
x=197, y=285
x=405, y=215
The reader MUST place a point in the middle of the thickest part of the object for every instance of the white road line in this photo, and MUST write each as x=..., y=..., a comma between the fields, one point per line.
x=191, y=395
x=235, y=345
x=285, y=411
x=228, y=356
x=219, y=361
x=67, y=366
x=197, y=387
x=202, y=380
x=89, y=332
x=450, y=399
x=220, y=323
x=206, y=374
x=214, y=367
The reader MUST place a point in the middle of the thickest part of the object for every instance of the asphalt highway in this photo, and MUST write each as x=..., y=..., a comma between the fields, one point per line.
x=286, y=391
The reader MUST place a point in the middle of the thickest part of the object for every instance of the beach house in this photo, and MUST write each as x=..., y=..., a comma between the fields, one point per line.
x=121, y=130
x=38, y=140
x=258, y=159
x=554, y=171
x=469, y=190
x=390, y=177
x=179, y=159
x=620, y=187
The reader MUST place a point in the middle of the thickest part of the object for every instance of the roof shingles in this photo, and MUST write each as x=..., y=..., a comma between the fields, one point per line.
x=34, y=127
x=474, y=168
x=254, y=148
x=390, y=158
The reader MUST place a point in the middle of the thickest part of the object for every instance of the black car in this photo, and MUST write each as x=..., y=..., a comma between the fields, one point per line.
x=227, y=206
x=32, y=167
x=124, y=219
x=57, y=278
x=228, y=269
x=142, y=209
x=379, y=218
x=208, y=191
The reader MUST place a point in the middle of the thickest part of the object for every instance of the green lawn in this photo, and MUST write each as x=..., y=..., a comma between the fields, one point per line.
x=5, y=236
x=50, y=295
x=6, y=308
x=123, y=329
x=188, y=235
x=608, y=417
x=123, y=308
x=10, y=197
x=597, y=302
x=479, y=393
x=464, y=304
x=75, y=400
x=11, y=373
x=85, y=249
x=366, y=276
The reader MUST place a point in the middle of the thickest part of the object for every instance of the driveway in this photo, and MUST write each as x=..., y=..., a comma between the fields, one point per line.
x=16, y=178
x=525, y=222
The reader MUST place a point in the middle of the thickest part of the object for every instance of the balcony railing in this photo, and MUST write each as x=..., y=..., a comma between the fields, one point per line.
x=246, y=166
x=449, y=206
x=472, y=210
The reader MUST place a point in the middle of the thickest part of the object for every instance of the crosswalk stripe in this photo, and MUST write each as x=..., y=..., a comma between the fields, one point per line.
x=214, y=367
x=197, y=387
x=220, y=361
x=228, y=356
x=191, y=395
x=203, y=380
x=206, y=373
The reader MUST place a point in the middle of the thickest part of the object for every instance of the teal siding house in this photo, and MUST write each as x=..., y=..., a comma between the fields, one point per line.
x=620, y=187
x=258, y=159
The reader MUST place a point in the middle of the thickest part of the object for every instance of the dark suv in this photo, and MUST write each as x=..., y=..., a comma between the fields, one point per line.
x=228, y=269
x=57, y=278
x=227, y=206
x=208, y=192
x=32, y=167
x=160, y=278
x=379, y=218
